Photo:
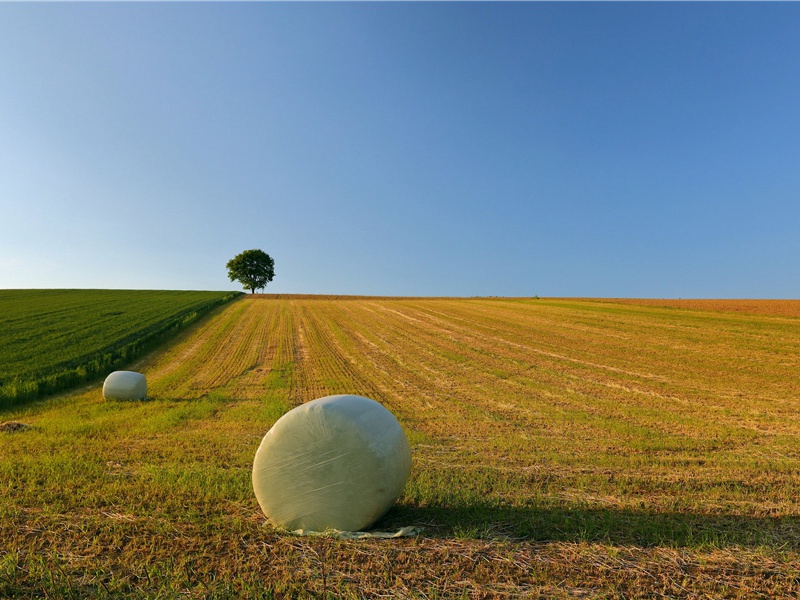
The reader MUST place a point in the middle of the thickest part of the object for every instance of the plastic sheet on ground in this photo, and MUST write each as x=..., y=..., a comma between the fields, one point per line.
x=361, y=535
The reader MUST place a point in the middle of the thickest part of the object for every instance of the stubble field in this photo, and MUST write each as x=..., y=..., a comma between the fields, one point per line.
x=562, y=448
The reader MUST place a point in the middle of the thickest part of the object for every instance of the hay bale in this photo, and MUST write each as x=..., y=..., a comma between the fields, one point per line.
x=125, y=385
x=338, y=462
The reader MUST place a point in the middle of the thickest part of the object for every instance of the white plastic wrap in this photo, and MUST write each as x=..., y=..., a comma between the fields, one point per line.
x=125, y=385
x=338, y=462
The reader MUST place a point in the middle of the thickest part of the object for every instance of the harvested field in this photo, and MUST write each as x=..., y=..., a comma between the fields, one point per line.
x=562, y=448
x=775, y=308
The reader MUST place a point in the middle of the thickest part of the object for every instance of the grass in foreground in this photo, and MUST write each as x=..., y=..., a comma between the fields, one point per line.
x=56, y=339
x=561, y=449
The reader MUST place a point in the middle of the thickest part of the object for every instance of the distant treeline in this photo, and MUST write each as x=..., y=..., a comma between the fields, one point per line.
x=54, y=340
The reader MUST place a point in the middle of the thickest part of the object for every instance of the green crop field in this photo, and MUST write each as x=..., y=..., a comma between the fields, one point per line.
x=561, y=449
x=54, y=339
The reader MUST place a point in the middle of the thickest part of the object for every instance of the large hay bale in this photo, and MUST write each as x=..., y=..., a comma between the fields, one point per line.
x=125, y=385
x=338, y=462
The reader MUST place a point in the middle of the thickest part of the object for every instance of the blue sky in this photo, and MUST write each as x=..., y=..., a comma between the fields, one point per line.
x=512, y=149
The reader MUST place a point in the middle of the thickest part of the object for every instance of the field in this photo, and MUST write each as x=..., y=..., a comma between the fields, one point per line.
x=55, y=339
x=562, y=448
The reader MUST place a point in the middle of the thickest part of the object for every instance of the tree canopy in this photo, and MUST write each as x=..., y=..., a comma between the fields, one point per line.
x=254, y=269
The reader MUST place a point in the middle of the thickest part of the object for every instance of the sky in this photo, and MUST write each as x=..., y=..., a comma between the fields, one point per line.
x=427, y=149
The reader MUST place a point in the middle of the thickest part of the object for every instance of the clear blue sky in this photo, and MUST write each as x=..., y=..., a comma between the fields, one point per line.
x=559, y=149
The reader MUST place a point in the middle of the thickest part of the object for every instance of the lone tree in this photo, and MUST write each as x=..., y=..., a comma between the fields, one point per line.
x=253, y=268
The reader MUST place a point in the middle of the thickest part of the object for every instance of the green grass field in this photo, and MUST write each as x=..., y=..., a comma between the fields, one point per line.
x=561, y=449
x=55, y=339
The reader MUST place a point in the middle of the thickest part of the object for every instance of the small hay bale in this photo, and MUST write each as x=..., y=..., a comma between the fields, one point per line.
x=338, y=462
x=125, y=385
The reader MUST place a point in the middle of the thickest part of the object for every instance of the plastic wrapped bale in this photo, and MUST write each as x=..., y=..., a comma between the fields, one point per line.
x=338, y=462
x=125, y=385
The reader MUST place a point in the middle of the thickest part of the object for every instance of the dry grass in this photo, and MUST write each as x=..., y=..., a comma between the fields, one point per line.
x=562, y=448
x=774, y=308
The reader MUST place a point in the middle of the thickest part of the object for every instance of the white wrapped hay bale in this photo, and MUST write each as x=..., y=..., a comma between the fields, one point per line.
x=125, y=385
x=338, y=462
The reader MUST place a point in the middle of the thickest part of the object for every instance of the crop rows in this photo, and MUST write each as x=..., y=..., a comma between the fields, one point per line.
x=55, y=339
x=561, y=448
x=535, y=385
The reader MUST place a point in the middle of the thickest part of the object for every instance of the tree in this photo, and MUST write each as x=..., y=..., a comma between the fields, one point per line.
x=254, y=269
